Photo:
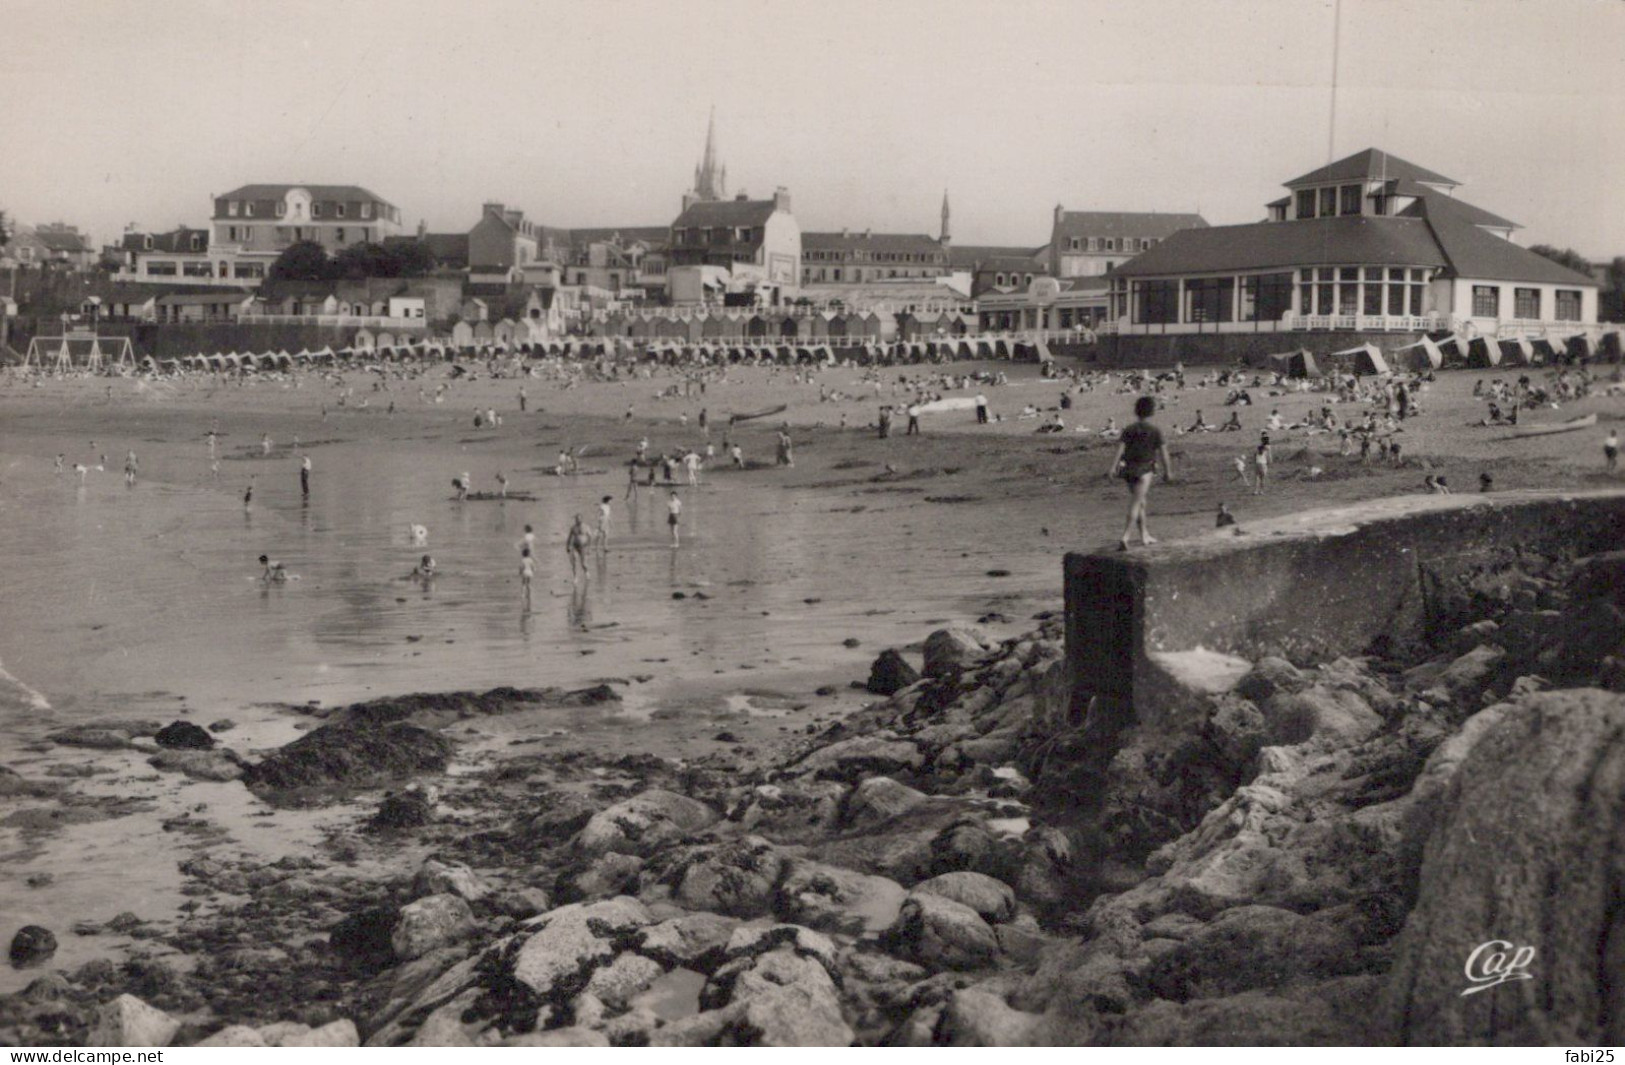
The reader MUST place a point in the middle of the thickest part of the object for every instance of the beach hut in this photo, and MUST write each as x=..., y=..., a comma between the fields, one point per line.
x=1364, y=359
x=462, y=336
x=482, y=334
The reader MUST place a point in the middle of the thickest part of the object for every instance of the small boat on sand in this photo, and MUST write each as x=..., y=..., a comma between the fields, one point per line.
x=1548, y=428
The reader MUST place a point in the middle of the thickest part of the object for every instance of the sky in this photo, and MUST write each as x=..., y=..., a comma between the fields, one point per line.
x=594, y=113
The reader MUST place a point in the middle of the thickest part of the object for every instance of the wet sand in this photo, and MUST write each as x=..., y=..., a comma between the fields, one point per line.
x=141, y=602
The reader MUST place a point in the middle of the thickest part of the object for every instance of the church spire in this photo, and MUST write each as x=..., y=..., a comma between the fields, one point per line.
x=947, y=229
x=708, y=184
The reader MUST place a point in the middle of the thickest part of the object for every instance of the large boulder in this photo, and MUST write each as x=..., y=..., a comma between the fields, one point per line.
x=736, y=878
x=448, y=878
x=1251, y=948
x=429, y=923
x=1271, y=676
x=1525, y=858
x=335, y=755
x=833, y=899
x=941, y=934
x=128, y=1022
x=877, y=800
x=978, y=1018
x=561, y=948
x=684, y=941
x=991, y=898
x=890, y=674
x=951, y=651
x=644, y=823
x=1336, y=715
x=31, y=945
x=861, y=756
x=183, y=735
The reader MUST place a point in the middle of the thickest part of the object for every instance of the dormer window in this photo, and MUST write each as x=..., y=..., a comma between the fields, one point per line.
x=1094, y=243
x=1328, y=202
x=1349, y=199
x=1306, y=203
x=197, y=242
x=366, y=210
x=315, y=210
x=231, y=208
x=338, y=209
x=248, y=208
x=146, y=242
x=1075, y=243
x=1111, y=243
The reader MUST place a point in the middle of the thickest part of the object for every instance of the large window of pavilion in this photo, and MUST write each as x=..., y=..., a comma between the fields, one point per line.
x=1210, y=299
x=1347, y=291
x=1156, y=302
x=1265, y=297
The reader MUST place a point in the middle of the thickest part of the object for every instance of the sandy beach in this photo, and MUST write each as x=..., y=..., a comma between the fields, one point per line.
x=143, y=602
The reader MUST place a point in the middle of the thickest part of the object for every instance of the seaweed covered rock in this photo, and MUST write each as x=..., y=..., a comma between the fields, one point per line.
x=342, y=756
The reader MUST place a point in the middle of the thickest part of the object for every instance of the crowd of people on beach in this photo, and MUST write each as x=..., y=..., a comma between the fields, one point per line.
x=1367, y=415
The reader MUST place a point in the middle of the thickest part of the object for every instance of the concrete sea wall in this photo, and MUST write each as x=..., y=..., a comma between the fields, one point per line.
x=1311, y=586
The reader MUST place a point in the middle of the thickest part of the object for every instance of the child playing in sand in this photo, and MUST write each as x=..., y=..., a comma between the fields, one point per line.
x=272, y=572
x=425, y=569
x=1224, y=518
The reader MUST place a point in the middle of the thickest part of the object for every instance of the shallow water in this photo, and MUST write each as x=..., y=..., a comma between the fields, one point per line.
x=106, y=591
x=146, y=602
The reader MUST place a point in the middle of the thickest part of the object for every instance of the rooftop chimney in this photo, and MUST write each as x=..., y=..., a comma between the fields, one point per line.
x=781, y=199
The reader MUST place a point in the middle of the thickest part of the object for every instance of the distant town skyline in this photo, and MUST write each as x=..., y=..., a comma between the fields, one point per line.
x=595, y=114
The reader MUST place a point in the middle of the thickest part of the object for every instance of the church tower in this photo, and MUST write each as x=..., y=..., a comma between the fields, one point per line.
x=947, y=236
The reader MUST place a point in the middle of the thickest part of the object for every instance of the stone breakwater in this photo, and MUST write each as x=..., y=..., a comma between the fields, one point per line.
x=1309, y=858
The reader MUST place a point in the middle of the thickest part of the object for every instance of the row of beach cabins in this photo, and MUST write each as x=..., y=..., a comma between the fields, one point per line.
x=1026, y=349
x=1479, y=352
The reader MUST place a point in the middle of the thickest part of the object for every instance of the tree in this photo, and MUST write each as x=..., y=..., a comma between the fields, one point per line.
x=396, y=259
x=5, y=230
x=413, y=259
x=1611, y=301
x=303, y=260
x=1564, y=257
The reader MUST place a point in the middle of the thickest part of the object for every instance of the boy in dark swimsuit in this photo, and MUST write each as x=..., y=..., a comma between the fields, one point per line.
x=1138, y=450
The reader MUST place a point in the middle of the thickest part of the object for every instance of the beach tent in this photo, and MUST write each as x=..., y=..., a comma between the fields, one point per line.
x=1483, y=352
x=1456, y=349
x=1611, y=344
x=1366, y=359
x=1519, y=351
x=1419, y=357
x=1547, y=351
x=1580, y=346
x=1001, y=348
x=1301, y=363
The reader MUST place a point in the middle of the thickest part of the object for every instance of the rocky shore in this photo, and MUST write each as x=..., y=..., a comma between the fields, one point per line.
x=1308, y=859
